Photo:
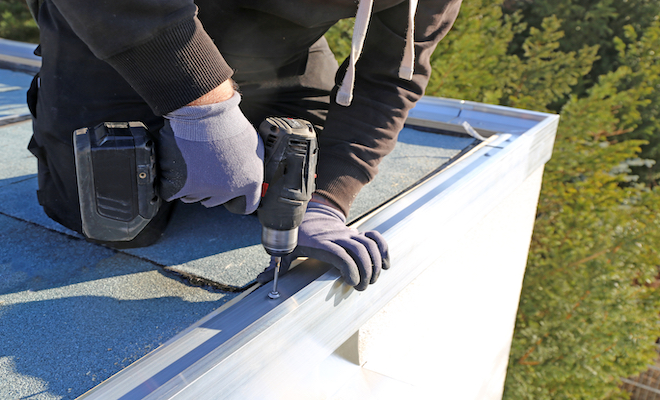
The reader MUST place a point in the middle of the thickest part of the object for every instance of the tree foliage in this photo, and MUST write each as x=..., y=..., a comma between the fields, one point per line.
x=589, y=306
x=473, y=62
x=16, y=22
x=626, y=34
x=339, y=38
x=588, y=22
x=639, y=57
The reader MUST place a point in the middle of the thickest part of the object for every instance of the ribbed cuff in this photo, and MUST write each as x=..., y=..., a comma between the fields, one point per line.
x=339, y=181
x=174, y=68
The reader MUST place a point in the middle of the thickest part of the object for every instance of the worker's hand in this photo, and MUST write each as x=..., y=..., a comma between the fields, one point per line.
x=323, y=235
x=211, y=153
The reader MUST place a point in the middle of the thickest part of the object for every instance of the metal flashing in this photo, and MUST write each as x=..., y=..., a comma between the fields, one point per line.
x=19, y=56
x=263, y=346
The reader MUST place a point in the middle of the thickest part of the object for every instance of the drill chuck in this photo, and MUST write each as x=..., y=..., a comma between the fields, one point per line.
x=279, y=243
x=289, y=172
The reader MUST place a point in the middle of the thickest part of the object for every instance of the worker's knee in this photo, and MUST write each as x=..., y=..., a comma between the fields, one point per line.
x=57, y=192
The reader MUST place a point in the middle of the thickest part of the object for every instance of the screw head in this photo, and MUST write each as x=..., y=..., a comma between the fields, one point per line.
x=274, y=295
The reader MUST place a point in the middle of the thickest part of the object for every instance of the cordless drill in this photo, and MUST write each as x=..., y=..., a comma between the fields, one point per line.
x=289, y=173
x=116, y=176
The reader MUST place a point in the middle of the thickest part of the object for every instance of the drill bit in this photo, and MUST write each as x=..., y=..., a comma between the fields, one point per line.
x=274, y=294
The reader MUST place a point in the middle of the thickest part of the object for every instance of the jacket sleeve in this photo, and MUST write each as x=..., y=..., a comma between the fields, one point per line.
x=158, y=46
x=356, y=138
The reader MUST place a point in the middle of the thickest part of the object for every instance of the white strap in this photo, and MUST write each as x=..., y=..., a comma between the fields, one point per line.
x=345, y=93
x=407, y=67
x=408, y=63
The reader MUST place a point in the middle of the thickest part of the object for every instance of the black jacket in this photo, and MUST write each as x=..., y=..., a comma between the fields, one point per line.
x=172, y=52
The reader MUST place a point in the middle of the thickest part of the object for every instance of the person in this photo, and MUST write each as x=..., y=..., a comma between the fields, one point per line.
x=201, y=74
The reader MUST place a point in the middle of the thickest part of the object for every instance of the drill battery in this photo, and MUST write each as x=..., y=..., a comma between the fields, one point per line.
x=116, y=174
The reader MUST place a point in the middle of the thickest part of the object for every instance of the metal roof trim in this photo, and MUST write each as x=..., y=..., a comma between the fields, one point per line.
x=19, y=56
x=259, y=347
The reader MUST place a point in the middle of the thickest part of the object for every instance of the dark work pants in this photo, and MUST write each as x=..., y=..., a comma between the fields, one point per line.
x=74, y=89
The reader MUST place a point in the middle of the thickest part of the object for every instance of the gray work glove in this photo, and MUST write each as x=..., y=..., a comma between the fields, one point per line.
x=323, y=235
x=212, y=154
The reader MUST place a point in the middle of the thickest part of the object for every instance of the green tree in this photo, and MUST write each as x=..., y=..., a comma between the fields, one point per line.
x=473, y=61
x=16, y=22
x=640, y=56
x=588, y=22
x=588, y=309
x=339, y=38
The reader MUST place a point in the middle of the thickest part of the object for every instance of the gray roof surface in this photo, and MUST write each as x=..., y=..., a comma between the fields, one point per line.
x=74, y=313
x=12, y=92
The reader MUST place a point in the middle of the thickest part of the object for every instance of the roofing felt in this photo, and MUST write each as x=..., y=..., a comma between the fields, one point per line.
x=13, y=86
x=214, y=245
